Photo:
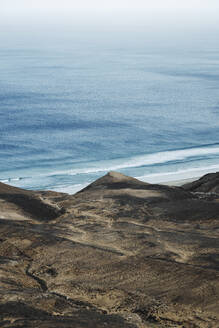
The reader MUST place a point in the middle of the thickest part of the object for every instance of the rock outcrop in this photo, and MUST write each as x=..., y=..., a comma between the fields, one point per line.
x=208, y=183
x=119, y=253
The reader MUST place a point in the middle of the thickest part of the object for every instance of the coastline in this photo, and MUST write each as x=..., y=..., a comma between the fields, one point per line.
x=179, y=183
x=73, y=183
x=73, y=189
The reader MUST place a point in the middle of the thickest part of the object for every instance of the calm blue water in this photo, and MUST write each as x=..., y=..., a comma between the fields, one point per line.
x=70, y=114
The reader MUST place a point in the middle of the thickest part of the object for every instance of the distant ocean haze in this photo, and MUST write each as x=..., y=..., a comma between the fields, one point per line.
x=69, y=115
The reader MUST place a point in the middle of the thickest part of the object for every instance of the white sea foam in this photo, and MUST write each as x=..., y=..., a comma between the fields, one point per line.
x=143, y=160
x=102, y=167
x=178, y=175
x=11, y=179
x=164, y=177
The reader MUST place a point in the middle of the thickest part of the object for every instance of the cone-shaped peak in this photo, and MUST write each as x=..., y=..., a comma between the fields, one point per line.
x=115, y=180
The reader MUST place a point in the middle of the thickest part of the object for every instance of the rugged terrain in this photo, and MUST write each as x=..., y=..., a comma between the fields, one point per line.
x=120, y=253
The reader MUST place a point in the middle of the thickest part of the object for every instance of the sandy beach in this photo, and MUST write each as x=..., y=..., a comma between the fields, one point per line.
x=179, y=182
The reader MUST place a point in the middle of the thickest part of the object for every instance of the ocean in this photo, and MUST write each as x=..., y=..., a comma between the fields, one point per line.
x=70, y=113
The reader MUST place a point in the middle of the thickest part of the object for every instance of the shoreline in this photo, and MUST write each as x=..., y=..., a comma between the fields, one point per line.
x=170, y=179
x=73, y=189
x=179, y=183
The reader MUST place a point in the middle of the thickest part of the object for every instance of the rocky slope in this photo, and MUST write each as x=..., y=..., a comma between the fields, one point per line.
x=209, y=183
x=120, y=253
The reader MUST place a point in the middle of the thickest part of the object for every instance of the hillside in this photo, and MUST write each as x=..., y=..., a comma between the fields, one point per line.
x=119, y=253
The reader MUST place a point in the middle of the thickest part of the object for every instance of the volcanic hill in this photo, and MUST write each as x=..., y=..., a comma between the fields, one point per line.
x=119, y=253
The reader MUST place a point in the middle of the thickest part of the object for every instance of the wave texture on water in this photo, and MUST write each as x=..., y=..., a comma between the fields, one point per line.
x=70, y=114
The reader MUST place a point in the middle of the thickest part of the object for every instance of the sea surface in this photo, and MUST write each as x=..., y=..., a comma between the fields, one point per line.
x=71, y=113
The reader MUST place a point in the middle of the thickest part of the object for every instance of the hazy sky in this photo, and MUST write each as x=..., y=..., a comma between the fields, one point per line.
x=106, y=4
x=141, y=15
x=101, y=7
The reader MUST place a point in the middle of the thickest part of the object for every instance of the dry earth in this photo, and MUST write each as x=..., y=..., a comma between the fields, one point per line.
x=120, y=253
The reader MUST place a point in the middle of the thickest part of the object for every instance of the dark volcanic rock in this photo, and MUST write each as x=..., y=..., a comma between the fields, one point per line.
x=29, y=203
x=209, y=183
x=120, y=253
